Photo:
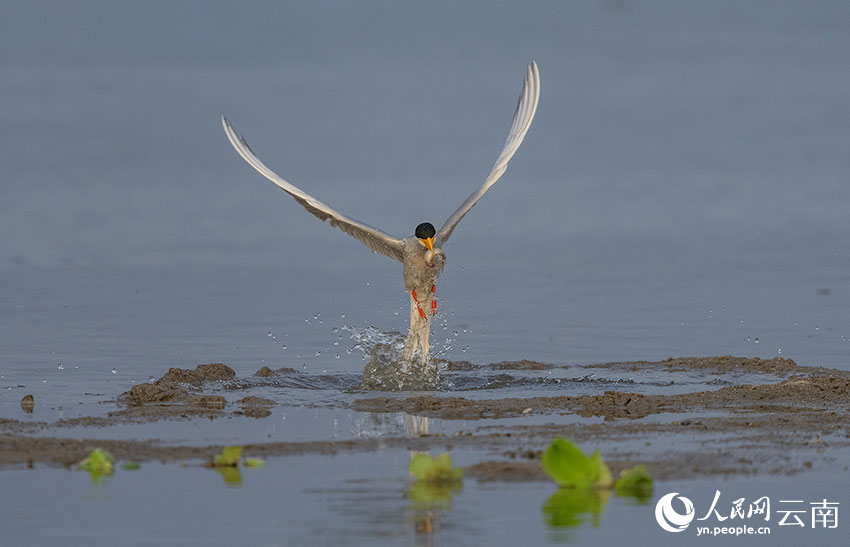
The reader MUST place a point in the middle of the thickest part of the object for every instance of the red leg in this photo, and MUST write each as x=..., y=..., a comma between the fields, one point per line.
x=433, y=300
x=418, y=307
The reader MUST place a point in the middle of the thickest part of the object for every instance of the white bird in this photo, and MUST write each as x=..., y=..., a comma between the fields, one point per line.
x=421, y=254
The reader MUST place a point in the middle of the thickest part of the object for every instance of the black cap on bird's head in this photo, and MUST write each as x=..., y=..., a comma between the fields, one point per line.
x=426, y=232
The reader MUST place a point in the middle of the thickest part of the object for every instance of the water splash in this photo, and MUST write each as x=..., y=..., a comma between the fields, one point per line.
x=388, y=369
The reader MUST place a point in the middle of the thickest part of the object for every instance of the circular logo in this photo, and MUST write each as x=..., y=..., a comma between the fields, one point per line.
x=668, y=518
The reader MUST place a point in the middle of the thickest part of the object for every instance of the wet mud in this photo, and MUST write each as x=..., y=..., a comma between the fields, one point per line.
x=774, y=427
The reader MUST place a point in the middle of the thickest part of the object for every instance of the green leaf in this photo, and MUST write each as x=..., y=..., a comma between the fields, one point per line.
x=130, y=466
x=229, y=456
x=569, y=467
x=603, y=474
x=438, y=469
x=419, y=466
x=99, y=463
x=568, y=507
x=634, y=483
x=254, y=463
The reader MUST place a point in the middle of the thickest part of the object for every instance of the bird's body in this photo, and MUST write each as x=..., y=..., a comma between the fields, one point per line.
x=421, y=255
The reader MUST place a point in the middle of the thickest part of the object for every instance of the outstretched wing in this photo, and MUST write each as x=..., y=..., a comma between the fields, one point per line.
x=525, y=109
x=373, y=238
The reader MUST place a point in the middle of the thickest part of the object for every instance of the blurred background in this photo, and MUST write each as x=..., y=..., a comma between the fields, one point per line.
x=682, y=191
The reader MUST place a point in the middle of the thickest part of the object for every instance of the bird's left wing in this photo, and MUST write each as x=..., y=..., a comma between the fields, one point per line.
x=525, y=109
x=373, y=238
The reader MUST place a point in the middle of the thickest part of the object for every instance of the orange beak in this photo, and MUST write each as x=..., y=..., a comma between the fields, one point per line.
x=428, y=242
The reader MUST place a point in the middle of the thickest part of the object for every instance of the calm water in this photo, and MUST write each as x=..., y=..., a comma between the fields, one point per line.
x=683, y=191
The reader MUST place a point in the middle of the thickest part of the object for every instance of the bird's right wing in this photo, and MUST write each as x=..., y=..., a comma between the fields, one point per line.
x=524, y=114
x=373, y=238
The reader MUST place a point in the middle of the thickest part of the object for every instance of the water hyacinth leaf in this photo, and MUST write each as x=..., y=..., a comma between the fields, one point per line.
x=419, y=466
x=569, y=467
x=439, y=469
x=634, y=483
x=254, y=463
x=99, y=463
x=130, y=466
x=603, y=474
x=229, y=456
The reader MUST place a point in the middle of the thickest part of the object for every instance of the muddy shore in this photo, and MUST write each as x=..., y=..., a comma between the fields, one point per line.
x=781, y=427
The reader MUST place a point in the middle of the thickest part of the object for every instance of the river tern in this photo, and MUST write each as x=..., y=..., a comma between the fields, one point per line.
x=421, y=254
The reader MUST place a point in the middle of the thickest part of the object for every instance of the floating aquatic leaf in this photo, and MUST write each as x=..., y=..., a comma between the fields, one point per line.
x=254, y=463
x=229, y=456
x=437, y=480
x=603, y=474
x=567, y=506
x=569, y=467
x=439, y=469
x=634, y=483
x=99, y=463
x=130, y=466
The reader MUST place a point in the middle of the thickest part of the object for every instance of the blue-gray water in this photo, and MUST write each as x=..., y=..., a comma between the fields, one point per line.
x=684, y=189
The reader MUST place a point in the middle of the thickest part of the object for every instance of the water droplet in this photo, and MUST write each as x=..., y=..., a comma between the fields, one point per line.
x=270, y=333
x=454, y=333
x=817, y=327
x=304, y=366
x=780, y=350
x=334, y=329
x=307, y=320
x=756, y=340
x=324, y=371
x=336, y=342
x=337, y=356
x=76, y=366
x=150, y=379
x=348, y=351
x=342, y=316
x=60, y=366
x=283, y=346
x=318, y=353
x=114, y=371
x=395, y=312
x=44, y=381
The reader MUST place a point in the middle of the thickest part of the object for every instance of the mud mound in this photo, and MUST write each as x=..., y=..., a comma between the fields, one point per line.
x=203, y=373
x=266, y=372
x=718, y=365
x=523, y=364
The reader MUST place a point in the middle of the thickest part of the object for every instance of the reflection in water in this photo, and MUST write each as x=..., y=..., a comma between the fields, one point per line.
x=429, y=497
x=231, y=475
x=569, y=507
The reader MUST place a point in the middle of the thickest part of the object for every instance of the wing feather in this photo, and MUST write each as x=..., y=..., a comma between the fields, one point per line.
x=523, y=115
x=373, y=238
